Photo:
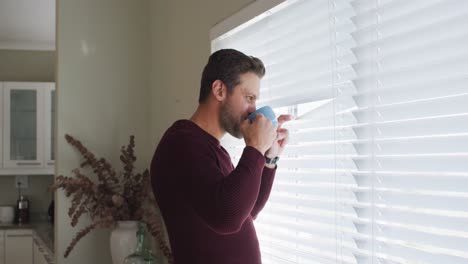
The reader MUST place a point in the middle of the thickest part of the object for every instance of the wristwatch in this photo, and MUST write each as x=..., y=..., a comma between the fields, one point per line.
x=271, y=161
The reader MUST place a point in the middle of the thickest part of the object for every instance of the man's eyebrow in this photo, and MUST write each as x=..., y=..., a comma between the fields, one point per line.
x=254, y=95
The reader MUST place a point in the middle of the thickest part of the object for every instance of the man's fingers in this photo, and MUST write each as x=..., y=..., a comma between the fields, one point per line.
x=283, y=137
x=282, y=134
x=284, y=141
x=284, y=118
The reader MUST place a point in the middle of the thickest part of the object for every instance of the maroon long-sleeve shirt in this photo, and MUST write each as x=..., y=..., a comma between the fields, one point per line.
x=208, y=205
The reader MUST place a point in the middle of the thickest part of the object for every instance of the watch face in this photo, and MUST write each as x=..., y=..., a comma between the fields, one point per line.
x=272, y=161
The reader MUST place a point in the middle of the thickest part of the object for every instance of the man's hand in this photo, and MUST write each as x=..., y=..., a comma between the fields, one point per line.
x=259, y=134
x=282, y=138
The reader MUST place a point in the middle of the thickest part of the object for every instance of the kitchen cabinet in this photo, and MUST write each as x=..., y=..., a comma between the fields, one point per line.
x=2, y=247
x=49, y=114
x=18, y=246
x=38, y=254
x=28, y=136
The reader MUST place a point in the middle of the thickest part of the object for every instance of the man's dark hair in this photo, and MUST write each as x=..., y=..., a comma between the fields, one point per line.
x=227, y=65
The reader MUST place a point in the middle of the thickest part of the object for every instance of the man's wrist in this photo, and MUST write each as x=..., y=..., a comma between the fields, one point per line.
x=271, y=162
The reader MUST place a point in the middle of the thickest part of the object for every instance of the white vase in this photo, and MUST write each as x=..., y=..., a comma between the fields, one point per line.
x=123, y=240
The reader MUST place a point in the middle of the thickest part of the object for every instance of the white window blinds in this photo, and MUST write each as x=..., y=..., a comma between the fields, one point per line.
x=377, y=166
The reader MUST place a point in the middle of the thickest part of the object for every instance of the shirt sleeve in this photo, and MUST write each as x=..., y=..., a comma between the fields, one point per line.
x=268, y=177
x=223, y=202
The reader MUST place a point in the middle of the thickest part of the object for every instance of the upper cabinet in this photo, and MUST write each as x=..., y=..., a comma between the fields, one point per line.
x=28, y=121
x=49, y=114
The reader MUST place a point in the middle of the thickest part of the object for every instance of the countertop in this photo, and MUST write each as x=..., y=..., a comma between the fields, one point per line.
x=45, y=231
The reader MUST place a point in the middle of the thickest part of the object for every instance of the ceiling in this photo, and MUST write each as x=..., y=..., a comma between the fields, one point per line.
x=27, y=24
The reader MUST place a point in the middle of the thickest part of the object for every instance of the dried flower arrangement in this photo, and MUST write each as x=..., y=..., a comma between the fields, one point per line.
x=123, y=196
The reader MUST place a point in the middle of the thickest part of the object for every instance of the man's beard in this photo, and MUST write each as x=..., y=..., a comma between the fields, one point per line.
x=229, y=122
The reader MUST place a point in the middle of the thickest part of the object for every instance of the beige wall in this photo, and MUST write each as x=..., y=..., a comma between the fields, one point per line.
x=28, y=66
x=180, y=49
x=103, y=97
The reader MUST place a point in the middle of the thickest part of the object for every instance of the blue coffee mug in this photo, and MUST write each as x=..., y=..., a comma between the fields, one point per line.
x=267, y=112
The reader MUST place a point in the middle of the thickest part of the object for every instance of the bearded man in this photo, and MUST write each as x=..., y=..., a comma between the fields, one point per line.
x=207, y=204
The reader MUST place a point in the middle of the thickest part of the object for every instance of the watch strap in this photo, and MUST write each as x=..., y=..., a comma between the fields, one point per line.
x=271, y=161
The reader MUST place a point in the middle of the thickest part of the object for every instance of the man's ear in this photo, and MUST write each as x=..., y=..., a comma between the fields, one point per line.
x=219, y=90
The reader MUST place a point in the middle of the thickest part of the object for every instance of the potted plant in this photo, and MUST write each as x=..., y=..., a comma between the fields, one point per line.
x=114, y=197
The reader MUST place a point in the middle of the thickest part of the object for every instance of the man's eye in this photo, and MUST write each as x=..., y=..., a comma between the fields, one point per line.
x=250, y=98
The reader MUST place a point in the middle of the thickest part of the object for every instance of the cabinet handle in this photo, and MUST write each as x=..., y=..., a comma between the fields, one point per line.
x=20, y=235
x=50, y=163
x=28, y=163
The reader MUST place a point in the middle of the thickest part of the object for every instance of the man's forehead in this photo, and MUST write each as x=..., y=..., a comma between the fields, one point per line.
x=250, y=84
x=250, y=89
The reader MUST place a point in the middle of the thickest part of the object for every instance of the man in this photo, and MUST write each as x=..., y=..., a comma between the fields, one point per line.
x=208, y=205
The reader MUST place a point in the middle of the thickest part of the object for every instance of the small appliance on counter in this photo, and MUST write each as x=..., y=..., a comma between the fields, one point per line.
x=7, y=214
x=22, y=210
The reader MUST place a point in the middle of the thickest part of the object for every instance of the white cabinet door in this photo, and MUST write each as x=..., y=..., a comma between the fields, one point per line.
x=23, y=121
x=18, y=247
x=38, y=255
x=49, y=125
x=1, y=122
x=2, y=247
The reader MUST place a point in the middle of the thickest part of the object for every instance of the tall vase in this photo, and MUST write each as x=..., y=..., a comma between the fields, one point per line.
x=123, y=240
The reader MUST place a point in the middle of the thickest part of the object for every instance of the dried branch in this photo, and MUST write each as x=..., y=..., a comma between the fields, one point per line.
x=83, y=232
x=124, y=196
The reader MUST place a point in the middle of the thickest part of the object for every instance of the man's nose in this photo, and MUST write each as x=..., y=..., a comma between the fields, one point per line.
x=252, y=108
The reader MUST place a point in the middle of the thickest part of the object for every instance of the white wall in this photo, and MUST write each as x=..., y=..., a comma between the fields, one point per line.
x=102, y=96
x=180, y=49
